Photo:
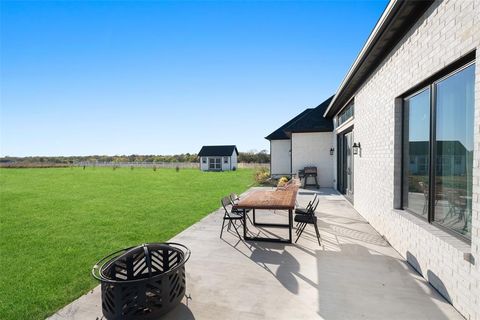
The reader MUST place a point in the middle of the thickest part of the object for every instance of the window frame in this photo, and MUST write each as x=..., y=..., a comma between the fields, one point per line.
x=430, y=84
x=423, y=163
x=217, y=163
x=349, y=106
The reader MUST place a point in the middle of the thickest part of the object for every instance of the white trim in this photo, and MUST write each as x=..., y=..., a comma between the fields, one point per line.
x=346, y=125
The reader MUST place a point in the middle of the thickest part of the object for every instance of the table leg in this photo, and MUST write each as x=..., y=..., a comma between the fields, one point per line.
x=244, y=223
x=276, y=225
x=290, y=223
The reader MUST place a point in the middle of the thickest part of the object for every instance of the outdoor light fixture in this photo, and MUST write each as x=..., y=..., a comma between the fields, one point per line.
x=355, y=147
x=332, y=151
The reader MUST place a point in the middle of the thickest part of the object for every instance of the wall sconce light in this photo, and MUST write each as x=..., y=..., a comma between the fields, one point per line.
x=356, y=147
x=332, y=151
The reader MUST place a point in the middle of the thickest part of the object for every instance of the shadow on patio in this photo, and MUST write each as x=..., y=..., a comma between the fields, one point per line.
x=354, y=274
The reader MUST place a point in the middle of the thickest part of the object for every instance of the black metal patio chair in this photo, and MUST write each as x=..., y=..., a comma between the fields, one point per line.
x=305, y=210
x=310, y=210
x=308, y=218
x=230, y=216
x=234, y=197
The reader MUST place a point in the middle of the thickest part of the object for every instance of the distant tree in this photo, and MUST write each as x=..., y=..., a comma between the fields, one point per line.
x=254, y=157
x=251, y=156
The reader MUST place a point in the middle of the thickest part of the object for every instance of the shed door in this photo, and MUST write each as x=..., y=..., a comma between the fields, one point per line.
x=215, y=163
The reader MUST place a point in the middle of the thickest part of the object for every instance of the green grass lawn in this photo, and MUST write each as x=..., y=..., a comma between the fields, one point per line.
x=56, y=223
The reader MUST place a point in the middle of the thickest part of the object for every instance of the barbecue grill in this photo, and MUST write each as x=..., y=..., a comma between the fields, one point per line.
x=308, y=172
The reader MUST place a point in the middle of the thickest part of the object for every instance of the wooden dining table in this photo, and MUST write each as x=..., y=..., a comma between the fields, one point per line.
x=280, y=199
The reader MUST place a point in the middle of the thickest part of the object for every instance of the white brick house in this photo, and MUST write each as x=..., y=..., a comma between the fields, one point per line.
x=304, y=141
x=417, y=81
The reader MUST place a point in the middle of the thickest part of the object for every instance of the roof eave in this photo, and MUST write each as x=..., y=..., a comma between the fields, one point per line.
x=273, y=139
x=384, y=23
x=370, y=41
x=310, y=131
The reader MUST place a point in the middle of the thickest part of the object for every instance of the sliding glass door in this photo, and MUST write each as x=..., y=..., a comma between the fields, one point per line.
x=345, y=164
x=349, y=165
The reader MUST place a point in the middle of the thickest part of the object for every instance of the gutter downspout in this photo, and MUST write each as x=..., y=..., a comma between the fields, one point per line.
x=270, y=158
x=291, y=154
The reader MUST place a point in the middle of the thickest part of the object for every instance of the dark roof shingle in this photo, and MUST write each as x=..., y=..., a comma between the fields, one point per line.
x=217, y=151
x=310, y=120
x=280, y=134
x=314, y=121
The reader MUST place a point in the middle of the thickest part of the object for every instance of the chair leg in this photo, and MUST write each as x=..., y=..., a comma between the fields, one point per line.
x=299, y=227
x=236, y=229
x=223, y=225
x=317, y=232
x=248, y=217
x=300, y=232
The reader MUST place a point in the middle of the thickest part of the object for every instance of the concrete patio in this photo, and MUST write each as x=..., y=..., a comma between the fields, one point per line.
x=355, y=274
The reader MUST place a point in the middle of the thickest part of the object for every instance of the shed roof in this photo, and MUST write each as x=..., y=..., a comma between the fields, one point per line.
x=217, y=150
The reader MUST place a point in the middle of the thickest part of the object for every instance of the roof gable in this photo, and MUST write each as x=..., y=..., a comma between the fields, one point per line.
x=219, y=151
x=313, y=121
x=280, y=134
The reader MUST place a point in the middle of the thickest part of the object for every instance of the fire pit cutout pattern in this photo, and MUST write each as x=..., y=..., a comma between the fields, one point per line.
x=142, y=282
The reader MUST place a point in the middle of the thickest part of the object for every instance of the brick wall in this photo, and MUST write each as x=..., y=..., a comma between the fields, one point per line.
x=446, y=32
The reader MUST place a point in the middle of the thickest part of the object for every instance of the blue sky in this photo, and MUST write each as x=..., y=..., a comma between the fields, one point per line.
x=80, y=78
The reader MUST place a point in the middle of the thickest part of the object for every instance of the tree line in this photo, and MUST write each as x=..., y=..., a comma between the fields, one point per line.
x=249, y=157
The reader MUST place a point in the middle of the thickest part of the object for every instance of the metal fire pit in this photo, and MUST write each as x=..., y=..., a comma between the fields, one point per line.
x=142, y=282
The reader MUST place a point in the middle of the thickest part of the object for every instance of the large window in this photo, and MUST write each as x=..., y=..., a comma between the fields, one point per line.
x=438, y=129
x=417, y=135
